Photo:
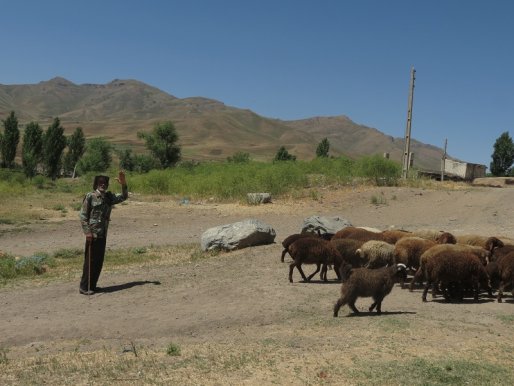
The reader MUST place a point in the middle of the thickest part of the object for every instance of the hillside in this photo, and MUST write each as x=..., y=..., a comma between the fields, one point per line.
x=208, y=129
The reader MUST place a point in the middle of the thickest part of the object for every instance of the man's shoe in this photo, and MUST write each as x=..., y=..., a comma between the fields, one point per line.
x=86, y=292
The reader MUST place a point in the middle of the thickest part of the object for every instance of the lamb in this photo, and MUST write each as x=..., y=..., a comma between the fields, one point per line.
x=292, y=238
x=364, y=282
x=377, y=253
x=459, y=267
x=311, y=250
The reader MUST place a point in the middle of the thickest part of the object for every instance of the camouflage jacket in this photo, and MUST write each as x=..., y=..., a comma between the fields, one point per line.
x=96, y=211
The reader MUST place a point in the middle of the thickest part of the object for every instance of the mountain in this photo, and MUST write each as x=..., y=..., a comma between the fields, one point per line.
x=207, y=128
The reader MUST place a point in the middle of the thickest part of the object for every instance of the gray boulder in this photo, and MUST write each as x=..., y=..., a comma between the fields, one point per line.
x=324, y=224
x=237, y=235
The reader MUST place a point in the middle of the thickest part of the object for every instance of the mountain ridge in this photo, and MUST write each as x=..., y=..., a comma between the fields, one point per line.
x=207, y=128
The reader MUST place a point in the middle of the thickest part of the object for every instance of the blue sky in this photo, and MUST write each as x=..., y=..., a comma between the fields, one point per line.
x=289, y=59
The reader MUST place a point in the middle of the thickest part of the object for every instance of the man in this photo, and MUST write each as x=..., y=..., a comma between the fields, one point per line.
x=94, y=217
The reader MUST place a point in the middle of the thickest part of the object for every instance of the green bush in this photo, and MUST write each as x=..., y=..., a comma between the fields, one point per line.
x=381, y=171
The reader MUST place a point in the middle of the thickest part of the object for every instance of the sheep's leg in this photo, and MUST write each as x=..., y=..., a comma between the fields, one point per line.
x=415, y=278
x=291, y=267
x=340, y=302
x=501, y=288
x=318, y=267
x=323, y=275
x=283, y=255
x=476, y=289
x=299, y=266
x=377, y=304
x=352, y=306
x=425, y=291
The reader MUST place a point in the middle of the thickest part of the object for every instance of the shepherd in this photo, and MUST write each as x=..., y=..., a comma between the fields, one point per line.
x=94, y=216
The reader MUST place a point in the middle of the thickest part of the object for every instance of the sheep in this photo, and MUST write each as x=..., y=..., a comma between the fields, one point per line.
x=364, y=282
x=489, y=243
x=358, y=234
x=348, y=250
x=377, y=253
x=393, y=235
x=408, y=250
x=363, y=234
x=448, y=250
x=505, y=270
x=459, y=267
x=311, y=250
x=292, y=238
x=429, y=234
x=502, y=251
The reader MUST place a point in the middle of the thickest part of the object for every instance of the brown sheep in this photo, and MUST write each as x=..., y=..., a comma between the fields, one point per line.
x=364, y=282
x=292, y=238
x=489, y=243
x=389, y=236
x=459, y=267
x=408, y=250
x=505, y=271
x=312, y=250
x=358, y=234
x=393, y=235
x=348, y=250
x=448, y=250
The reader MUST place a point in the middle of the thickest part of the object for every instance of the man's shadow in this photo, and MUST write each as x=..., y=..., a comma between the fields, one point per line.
x=121, y=287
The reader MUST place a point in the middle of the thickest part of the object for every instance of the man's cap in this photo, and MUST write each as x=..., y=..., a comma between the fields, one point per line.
x=97, y=178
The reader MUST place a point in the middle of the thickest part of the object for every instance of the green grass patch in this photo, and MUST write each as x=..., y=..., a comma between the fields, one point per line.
x=431, y=372
x=173, y=350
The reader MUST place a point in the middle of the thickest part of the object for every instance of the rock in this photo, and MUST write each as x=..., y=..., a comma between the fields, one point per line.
x=242, y=234
x=258, y=198
x=324, y=224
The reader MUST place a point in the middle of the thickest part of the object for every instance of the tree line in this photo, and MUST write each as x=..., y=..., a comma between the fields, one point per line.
x=53, y=154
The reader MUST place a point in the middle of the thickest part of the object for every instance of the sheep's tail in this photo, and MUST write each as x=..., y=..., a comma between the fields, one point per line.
x=346, y=271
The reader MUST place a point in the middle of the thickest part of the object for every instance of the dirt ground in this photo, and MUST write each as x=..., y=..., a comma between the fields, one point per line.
x=244, y=297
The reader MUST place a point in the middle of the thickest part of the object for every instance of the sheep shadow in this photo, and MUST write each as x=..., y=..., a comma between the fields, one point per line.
x=320, y=282
x=121, y=287
x=374, y=313
x=442, y=300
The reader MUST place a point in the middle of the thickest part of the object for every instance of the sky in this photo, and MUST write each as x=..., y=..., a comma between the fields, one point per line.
x=289, y=59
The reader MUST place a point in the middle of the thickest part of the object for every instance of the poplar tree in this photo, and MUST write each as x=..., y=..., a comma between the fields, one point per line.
x=9, y=141
x=32, y=148
x=54, y=143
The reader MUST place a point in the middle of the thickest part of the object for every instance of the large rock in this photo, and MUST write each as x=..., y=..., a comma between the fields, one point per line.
x=238, y=235
x=324, y=224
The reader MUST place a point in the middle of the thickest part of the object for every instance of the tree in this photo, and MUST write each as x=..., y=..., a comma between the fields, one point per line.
x=9, y=141
x=76, y=148
x=54, y=143
x=283, y=155
x=162, y=143
x=126, y=159
x=239, y=158
x=503, y=155
x=32, y=148
x=97, y=156
x=323, y=147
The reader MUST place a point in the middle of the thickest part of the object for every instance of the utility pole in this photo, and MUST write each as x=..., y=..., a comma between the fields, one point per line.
x=443, y=160
x=406, y=152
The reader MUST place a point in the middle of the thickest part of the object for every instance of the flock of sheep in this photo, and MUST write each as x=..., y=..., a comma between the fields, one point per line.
x=369, y=262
